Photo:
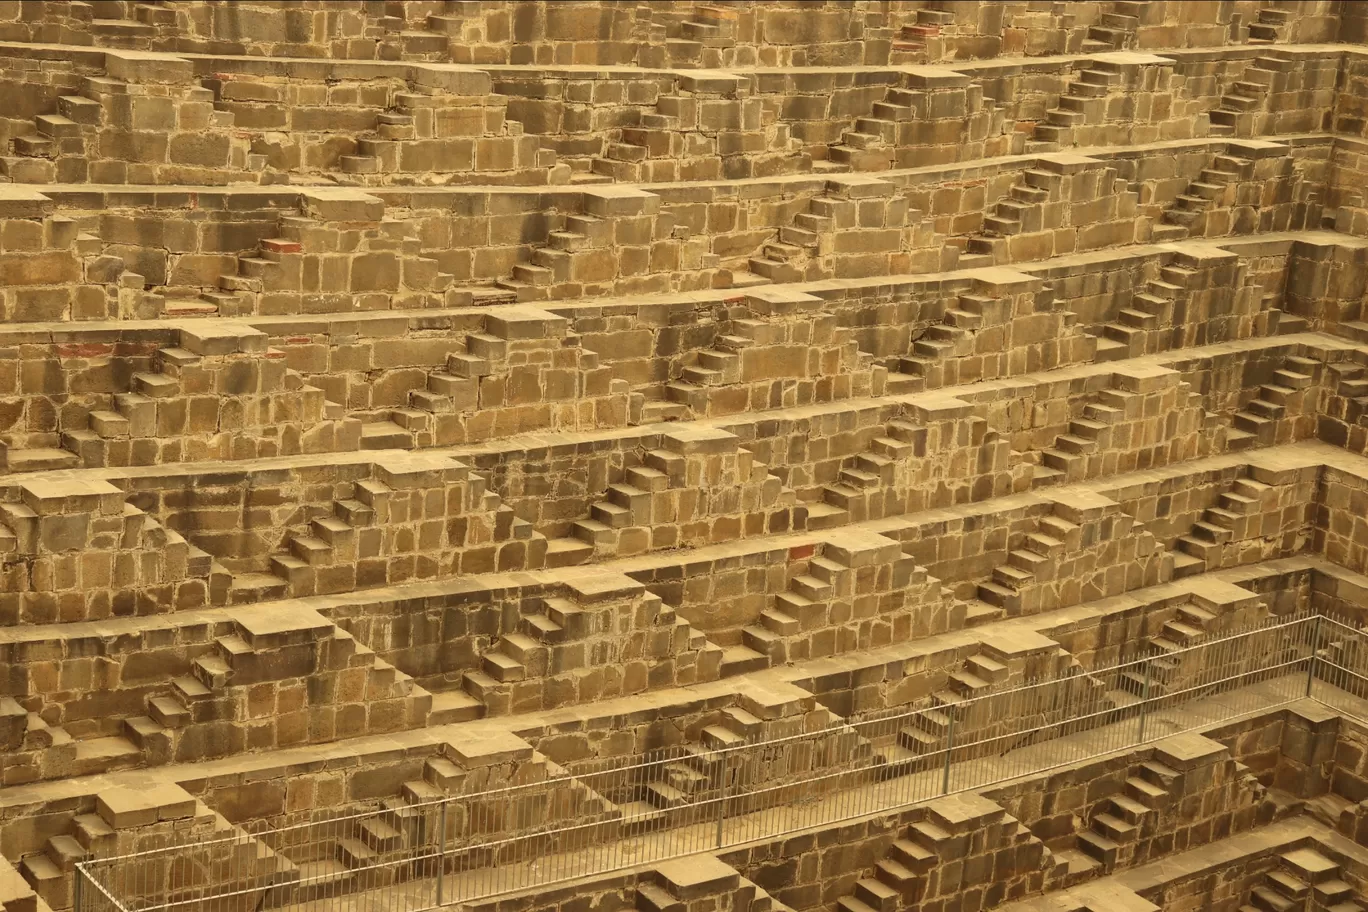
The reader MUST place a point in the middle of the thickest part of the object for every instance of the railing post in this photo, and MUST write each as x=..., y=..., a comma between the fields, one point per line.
x=76, y=899
x=441, y=849
x=1144, y=702
x=1311, y=659
x=722, y=800
x=949, y=748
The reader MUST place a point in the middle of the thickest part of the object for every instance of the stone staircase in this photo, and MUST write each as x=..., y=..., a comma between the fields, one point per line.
x=721, y=365
x=1214, y=529
x=1117, y=822
x=1029, y=581
x=693, y=131
x=422, y=31
x=66, y=147
x=179, y=403
x=1270, y=25
x=218, y=687
x=523, y=357
x=449, y=20
x=810, y=248
x=1067, y=460
x=563, y=640
x=1005, y=322
x=1214, y=187
x=57, y=149
x=1084, y=102
x=1303, y=879
x=133, y=26
x=473, y=765
x=909, y=858
x=325, y=540
x=867, y=486
x=818, y=616
x=1023, y=210
x=952, y=338
x=1146, y=326
x=697, y=776
x=51, y=872
x=1227, y=196
x=1035, y=559
x=579, y=252
x=780, y=348
x=969, y=829
x=397, y=29
x=704, y=40
x=1001, y=663
x=578, y=257
x=794, y=255
x=415, y=137
x=1234, y=113
x=1116, y=29
x=911, y=44
x=1121, y=421
x=1351, y=387
x=712, y=759
x=271, y=278
x=628, y=503
x=700, y=884
x=1153, y=677
x=321, y=556
x=1166, y=663
x=1250, y=522
x=87, y=756
x=1261, y=421
x=654, y=149
x=97, y=521
x=641, y=512
x=89, y=836
x=872, y=144
x=35, y=456
x=135, y=412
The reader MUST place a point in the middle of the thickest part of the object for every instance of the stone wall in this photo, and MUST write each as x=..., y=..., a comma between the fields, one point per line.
x=522, y=409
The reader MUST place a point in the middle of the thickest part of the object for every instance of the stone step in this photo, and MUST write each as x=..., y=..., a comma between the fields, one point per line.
x=826, y=516
x=256, y=587
x=385, y=435
x=1269, y=900
x=168, y=712
x=742, y=659
x=57, y=126
x=1145, y=793
x=47, y=879
x=454, y=706
x=103, y=755
x=1115, y=828
x=40, y=459
x=36, y=146
x=1099, y=847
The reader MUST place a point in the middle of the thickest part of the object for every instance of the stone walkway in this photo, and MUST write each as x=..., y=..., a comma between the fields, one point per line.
x=1132, y=889
x=694, y=829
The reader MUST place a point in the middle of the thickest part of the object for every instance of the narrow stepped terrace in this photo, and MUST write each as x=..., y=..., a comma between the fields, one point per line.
x=683, y=455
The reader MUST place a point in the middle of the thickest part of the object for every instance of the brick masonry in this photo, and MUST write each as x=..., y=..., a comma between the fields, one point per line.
x=402, y=401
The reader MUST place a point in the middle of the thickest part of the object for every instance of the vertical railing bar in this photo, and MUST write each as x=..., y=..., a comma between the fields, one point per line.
x=949, y=748
x=1311, y=659
x=1145, y=672
x=441, y=851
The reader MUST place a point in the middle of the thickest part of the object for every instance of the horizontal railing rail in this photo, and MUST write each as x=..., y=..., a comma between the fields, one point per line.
x=598, y=816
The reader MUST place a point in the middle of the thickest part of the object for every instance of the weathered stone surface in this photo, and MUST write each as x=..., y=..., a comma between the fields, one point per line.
x=913, y=453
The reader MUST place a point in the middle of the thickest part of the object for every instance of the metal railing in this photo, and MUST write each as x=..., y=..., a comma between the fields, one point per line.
x=551, y=823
